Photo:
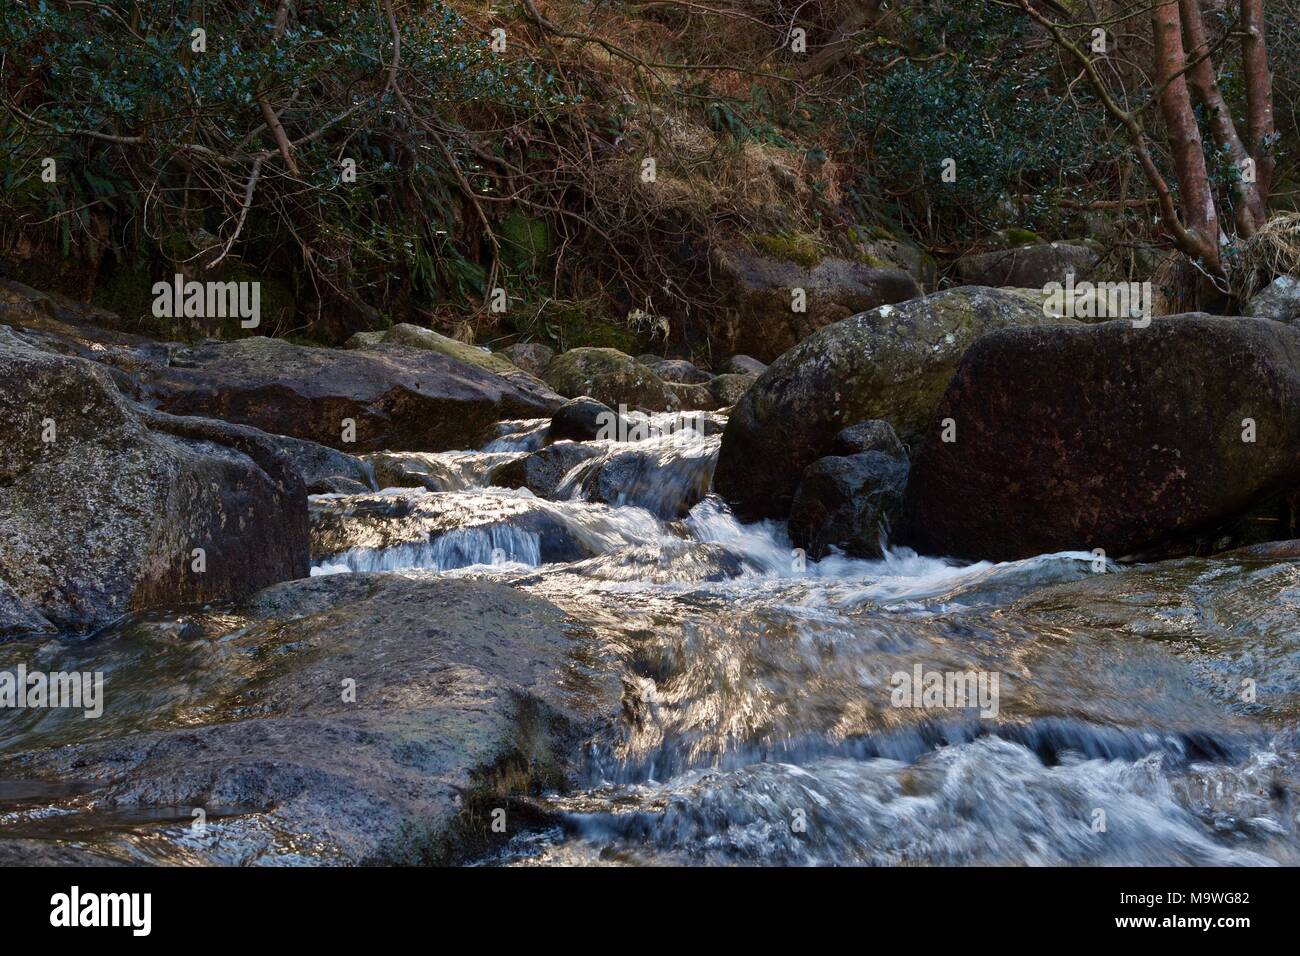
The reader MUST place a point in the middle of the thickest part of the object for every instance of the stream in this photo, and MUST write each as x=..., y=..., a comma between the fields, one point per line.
x=1137, y=715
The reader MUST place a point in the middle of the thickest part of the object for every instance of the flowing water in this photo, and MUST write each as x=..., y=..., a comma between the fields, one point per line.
x=760, y=719
x=1116, y=715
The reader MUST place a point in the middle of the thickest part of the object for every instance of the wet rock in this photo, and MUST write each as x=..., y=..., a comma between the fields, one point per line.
x=320, y=465
x=532, y=357
x=845, y=502
x=609, y=376
x=1029, y=266
x=666, y=475
x=410, y=470
x=869, y=436
x=419, y=529
x=337, y=485
x=399, y=398
x=1107, y=436
x=544, y=470
x=743, y=365
x=463, y=694
x=759, y=293
x=19, y=616
x=892, y=363
x=436, y=472
x=584, y=419
x=1279, y=301
x=102, y=503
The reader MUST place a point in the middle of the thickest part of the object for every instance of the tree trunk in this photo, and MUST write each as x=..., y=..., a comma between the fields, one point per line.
x=1199, y=214
x=1248, y=209
x=1259, y=93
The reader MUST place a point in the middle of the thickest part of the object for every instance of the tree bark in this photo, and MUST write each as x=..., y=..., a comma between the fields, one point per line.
x=1199, y=214
x=1248, y=209
x=1259, y=93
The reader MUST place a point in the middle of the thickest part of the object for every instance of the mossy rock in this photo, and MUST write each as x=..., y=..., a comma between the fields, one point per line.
x=413, y=336
x=791, y=248
x=891, y=363
x=609, y=376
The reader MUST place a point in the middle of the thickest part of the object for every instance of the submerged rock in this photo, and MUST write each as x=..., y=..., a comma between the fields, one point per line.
x=397, y=398
x=106, y=507
x=892, y=363
x=609, y=376
x=846, y=502
x=359, y=719
x=1107, y=436
x=442, y=471
x=666, y=475
x=543, y=471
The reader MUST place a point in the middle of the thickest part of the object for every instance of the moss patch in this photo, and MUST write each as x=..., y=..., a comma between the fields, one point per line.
x=792, y=248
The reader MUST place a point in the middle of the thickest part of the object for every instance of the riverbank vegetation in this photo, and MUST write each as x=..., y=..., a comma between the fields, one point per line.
x=398, y=160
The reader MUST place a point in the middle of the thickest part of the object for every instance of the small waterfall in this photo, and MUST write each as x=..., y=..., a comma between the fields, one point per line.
x=528, y=434
x=461, y=548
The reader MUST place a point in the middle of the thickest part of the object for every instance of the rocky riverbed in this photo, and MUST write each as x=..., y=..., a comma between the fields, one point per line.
x=505, y=627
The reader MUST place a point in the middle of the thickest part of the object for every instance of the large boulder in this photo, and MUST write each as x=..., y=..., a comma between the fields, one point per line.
x=417, y=337
x=609, y=376
x=1028, y=267
x=892, y=363
x=1279, y=301
x=348, y=719
x=1107, y=436
x=399, y=398
x=103, y=504
x=847, y=502
x=759, y=293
